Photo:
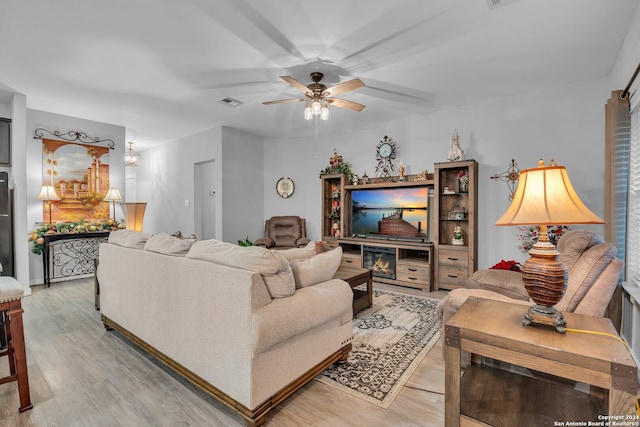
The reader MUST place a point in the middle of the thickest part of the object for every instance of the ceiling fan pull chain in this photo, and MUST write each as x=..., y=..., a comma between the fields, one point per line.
x=316, y=137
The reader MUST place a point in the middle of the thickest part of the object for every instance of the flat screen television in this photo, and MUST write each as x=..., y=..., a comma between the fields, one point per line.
x=390, y=212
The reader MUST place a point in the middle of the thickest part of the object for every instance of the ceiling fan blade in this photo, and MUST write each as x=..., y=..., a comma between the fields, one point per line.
x=343, y=103
x=282, y=101
x=396, y=93
x=344, y=87
x=296, y=84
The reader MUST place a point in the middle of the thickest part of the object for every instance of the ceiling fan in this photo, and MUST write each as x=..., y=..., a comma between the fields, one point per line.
x=318, y=95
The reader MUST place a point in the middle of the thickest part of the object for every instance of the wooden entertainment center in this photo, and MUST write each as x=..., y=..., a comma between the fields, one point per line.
x=430, y=260
x=410, y=258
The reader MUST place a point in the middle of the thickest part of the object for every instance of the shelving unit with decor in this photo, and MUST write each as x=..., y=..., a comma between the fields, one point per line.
x=334, y=213
x=456, y=207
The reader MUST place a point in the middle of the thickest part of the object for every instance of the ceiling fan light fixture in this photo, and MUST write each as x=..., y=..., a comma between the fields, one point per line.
x=318, y=96
x=324, y=113
x=316, y=107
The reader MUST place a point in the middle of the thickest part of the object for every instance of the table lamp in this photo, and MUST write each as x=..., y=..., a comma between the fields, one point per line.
x=48, y=193
x=113, y=196
x=544, y=197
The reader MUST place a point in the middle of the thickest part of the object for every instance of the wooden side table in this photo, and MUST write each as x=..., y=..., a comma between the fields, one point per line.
x=494, y=329
x=355, y=276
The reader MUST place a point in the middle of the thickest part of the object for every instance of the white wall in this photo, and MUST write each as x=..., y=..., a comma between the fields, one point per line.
x=5, y=111
x=33, y=149
x=565, y=123
x=627, y=60
x=242, y=197
x=165, y=180
x=20, y=190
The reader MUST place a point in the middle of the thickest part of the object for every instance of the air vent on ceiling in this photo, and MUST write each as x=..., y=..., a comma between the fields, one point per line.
x=497, y=3
x=230, y=102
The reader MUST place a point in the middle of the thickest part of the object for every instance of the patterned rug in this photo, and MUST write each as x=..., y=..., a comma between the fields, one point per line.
x=390, y=340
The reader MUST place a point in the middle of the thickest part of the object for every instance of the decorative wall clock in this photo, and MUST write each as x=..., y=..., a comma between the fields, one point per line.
x=285, y=187
x=386, y=152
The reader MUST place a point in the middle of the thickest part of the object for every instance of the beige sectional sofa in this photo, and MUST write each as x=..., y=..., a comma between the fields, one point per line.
x=248, y=326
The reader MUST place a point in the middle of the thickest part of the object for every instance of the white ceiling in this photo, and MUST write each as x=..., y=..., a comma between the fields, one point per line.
x=159, y=67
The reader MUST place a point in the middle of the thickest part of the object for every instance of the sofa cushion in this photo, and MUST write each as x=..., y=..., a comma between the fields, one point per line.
x=129, y=238
x=319, y=268
x=584, y=272
x=311, y=307
x=168, y=245
x=304, y=252
x=273, y=267
x=573, y=243
x=505, y=282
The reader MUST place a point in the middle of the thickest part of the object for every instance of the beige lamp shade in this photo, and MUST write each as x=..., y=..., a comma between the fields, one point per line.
x=134, y=215
x=545, y=196
x=48, y=193
x=113, y=195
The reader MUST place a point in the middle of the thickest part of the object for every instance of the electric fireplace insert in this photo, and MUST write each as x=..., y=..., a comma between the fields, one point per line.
x=381, y=261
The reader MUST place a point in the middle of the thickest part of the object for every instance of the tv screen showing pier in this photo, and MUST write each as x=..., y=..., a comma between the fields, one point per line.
x=394, y=212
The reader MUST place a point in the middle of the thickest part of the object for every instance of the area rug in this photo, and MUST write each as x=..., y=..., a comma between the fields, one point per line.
x=390, y=341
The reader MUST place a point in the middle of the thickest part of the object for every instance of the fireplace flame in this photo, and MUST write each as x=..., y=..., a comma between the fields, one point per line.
x=381, y=266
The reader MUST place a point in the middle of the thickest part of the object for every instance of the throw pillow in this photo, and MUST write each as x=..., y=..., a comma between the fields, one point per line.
x=281, y=284
x=317, y=269
x=168, y=245
x=273, y=267
x=128, y=238
x=299, y=253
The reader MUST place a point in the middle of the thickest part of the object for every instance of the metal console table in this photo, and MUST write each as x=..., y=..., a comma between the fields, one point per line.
x=71, y=254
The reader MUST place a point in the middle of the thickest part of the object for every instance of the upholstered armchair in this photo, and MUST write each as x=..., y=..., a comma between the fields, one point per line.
x=284, y=232
x=593, y=276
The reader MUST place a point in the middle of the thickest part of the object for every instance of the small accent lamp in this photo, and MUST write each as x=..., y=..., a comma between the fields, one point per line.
x=134, y=215
x=113, y=196
x=48, y=193
x=545, y=196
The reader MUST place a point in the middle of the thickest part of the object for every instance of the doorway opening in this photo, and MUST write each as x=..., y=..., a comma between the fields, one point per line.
x=204, y=204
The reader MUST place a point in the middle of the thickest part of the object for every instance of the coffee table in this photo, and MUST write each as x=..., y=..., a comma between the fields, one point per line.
x=356, y=276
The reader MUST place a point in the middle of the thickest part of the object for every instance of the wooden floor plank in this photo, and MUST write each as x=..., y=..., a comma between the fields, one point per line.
x=82, y=375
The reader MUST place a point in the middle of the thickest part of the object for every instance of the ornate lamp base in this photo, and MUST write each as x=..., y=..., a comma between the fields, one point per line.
x=542, y=315
x=545, y=280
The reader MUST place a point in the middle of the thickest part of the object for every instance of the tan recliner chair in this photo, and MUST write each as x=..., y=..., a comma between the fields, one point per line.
x=593, y=276
x=284, y=232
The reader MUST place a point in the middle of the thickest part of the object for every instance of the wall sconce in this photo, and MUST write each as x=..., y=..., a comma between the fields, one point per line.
x=510, y=176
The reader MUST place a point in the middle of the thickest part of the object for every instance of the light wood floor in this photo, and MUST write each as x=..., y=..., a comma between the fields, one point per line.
x=81, y=375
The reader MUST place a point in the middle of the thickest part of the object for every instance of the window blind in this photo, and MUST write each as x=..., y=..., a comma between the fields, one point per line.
x=633, y=215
